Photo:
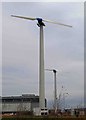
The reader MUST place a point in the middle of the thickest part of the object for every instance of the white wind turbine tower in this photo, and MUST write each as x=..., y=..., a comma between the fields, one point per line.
x=55, y=88
x=41, y=56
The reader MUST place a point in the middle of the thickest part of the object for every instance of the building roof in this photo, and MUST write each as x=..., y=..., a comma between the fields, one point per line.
x=24, y=98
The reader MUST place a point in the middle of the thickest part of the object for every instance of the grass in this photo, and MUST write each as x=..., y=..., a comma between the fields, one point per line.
x=43, y=118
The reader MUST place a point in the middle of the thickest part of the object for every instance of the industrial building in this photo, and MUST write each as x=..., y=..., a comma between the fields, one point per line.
x=14, y=104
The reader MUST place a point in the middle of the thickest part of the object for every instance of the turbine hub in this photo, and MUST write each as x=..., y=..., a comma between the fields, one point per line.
x=54, y=71
x=40, y=22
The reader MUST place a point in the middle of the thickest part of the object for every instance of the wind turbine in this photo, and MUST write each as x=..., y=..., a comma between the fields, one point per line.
x=55, y=88
x=41, y=58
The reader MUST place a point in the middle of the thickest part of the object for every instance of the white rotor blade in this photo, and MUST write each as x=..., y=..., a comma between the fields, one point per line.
x=49, y=69
x=28, y=18
x=56, y=23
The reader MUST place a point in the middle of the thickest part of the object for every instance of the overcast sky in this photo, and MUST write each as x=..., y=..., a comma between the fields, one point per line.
x=42, y=0
x=64, y=49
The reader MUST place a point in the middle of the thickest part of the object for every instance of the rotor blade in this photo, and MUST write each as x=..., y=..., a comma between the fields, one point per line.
x=28, y=18
x=49, y=69
x=56, y=23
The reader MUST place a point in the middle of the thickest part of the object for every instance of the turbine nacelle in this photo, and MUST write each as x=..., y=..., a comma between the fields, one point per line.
x=40, y=22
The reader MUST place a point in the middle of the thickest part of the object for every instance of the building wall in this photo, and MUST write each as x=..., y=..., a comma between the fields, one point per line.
x=34, y=105
x=26, y=102
x=15, y=107
x=0, y=108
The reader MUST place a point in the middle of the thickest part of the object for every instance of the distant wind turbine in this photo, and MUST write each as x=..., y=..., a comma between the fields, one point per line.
x=41, y=58
x=55, y=87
